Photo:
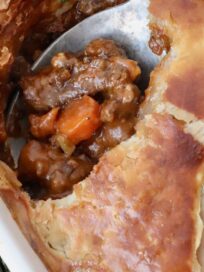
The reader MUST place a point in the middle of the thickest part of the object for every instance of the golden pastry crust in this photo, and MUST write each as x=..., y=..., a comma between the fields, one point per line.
x=183, y=14
x=21, y=210
x=139, y=208
x=16, y=19
x=177, y=84
x=4, y=4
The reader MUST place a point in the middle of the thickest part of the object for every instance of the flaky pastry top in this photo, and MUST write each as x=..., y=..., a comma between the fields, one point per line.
x=139, y=208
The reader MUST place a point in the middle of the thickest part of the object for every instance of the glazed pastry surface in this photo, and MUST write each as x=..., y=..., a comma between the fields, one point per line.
x=139, y=210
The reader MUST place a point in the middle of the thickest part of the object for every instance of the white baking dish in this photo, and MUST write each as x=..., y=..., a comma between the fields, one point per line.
x=14, y=248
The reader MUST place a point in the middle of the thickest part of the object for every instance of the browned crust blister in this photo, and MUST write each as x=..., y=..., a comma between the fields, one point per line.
x=139, y=208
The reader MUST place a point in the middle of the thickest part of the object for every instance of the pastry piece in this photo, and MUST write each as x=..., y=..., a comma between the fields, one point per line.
x=177, y=84
x=16, y=19
x=139, y=208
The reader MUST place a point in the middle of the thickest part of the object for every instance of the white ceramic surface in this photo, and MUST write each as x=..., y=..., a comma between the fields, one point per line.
x=14, y=249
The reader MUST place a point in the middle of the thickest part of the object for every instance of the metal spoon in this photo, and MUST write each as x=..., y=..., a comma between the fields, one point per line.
x=127, y=24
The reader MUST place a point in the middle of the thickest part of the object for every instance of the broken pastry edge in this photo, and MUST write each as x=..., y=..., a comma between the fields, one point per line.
x=174, y=19
x=156, y=90
x=193, y=125
x=4, y=4
x=21, y=208
x=199, y=227
x=16, y=183
x=10, y=191
x=196, y=266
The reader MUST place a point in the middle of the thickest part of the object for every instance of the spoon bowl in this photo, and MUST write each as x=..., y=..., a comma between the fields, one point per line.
x=127, y=24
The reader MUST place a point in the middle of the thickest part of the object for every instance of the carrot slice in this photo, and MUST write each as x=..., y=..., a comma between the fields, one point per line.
x=43, y=126
x=79, y=120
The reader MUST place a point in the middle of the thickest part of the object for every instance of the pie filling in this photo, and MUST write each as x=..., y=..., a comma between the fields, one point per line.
x=78, y=107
